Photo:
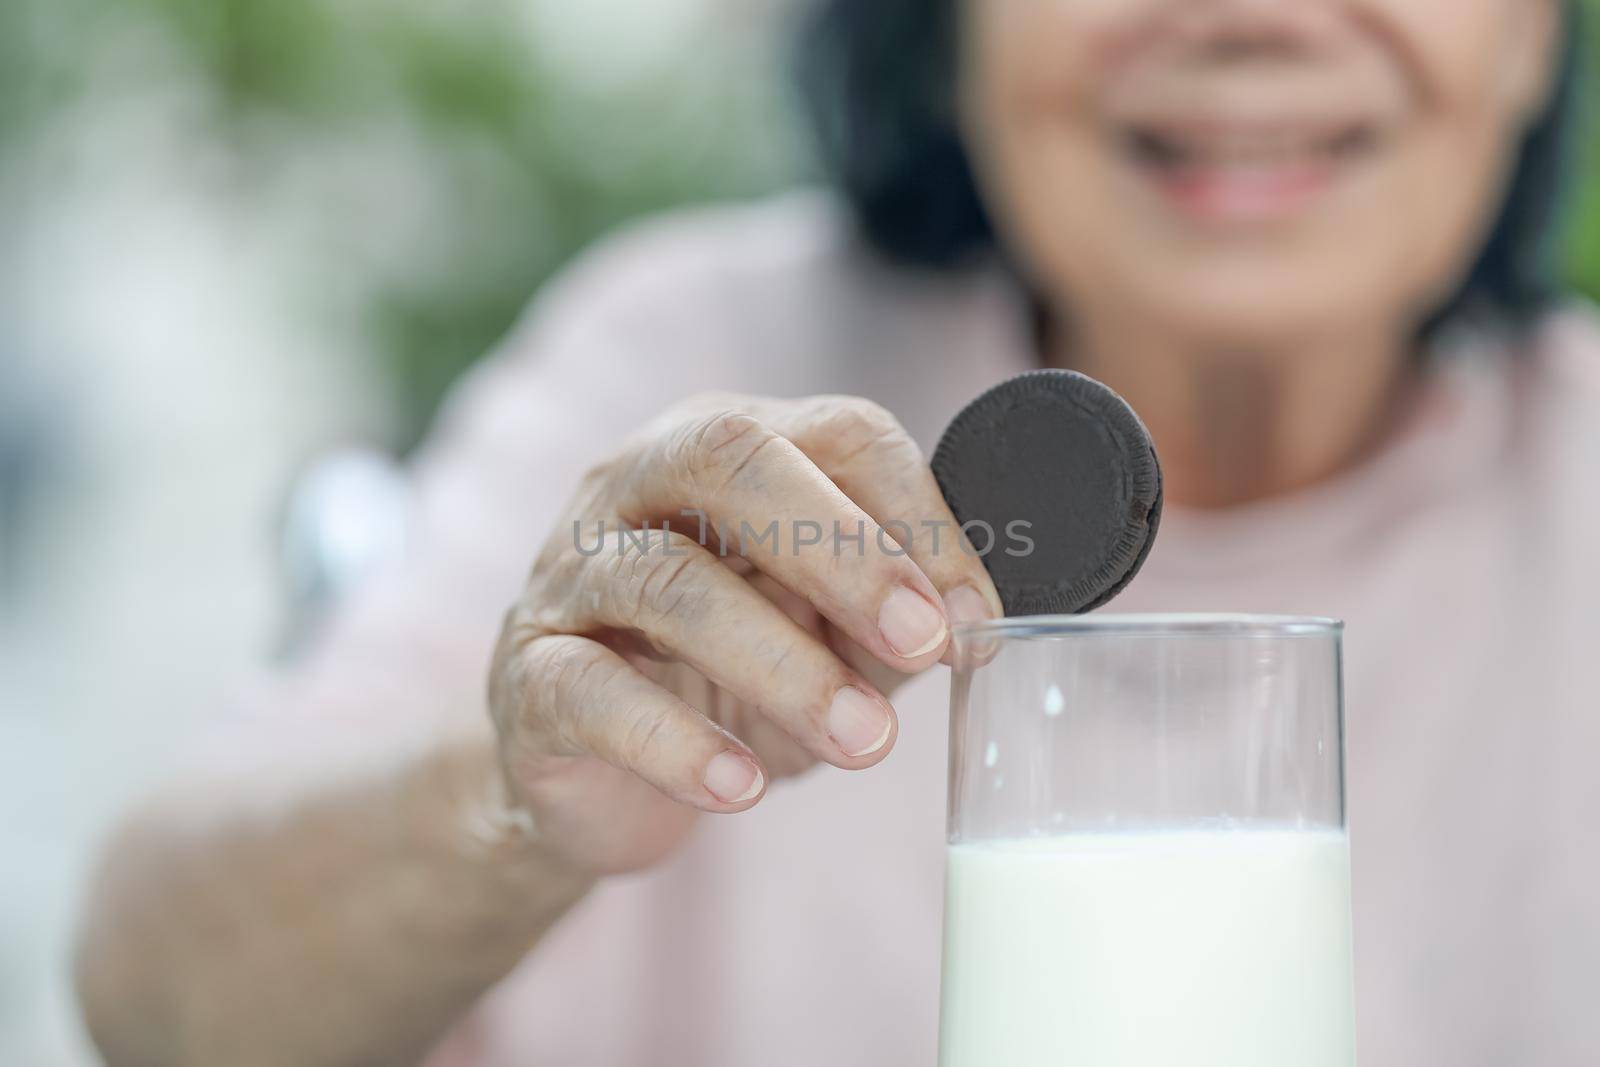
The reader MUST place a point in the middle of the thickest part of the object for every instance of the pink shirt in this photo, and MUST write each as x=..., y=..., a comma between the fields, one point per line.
x=807, y=932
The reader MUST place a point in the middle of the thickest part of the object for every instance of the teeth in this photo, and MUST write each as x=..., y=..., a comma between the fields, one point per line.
x=1243, y=150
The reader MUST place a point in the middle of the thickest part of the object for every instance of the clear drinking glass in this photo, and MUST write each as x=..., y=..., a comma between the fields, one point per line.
x=1148, y=862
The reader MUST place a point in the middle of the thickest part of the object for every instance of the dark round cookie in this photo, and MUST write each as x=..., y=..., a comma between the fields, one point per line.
x=1062, y=452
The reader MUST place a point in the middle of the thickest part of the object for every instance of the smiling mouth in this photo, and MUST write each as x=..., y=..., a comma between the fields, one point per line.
x=1246, y=173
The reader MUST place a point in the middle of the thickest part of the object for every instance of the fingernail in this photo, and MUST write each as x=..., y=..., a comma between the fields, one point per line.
x=912, y=626
x=732, y=778
x=967, y=605
x=857, y=723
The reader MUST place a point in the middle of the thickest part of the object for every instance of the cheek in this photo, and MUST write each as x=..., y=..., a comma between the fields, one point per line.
x=1022, y=58
x=1451, y=165
x=1461, y=50
x=1030, y=74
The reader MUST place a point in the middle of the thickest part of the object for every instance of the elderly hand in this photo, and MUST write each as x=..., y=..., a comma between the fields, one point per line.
x=767, y=571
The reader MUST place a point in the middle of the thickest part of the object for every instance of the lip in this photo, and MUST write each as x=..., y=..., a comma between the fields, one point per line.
x=1225, y=171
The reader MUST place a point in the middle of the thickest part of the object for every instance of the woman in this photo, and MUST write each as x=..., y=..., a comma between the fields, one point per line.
x=1257, y=221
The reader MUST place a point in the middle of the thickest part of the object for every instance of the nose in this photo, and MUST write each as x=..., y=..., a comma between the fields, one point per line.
x=1230, y=31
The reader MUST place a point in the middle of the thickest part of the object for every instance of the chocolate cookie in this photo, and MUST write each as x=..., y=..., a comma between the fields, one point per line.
x=1056, y=459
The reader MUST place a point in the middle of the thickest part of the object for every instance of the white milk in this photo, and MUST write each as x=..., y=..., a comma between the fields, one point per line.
x=1198, y=949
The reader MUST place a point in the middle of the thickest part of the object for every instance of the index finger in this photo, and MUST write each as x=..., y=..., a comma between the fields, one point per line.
x=771, y=504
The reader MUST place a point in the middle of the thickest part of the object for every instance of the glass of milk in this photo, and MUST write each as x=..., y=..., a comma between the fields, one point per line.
x=1148, y=863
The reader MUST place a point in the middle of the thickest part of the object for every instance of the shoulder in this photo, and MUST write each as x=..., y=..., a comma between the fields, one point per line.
x=1557, y=399
x=770, y=284
x=1558, y=384
x=789, y=232
x=687, y=255
x=1565, y=349
x=774, y=297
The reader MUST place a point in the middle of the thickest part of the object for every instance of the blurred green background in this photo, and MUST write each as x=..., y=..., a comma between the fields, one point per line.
x=527, y=128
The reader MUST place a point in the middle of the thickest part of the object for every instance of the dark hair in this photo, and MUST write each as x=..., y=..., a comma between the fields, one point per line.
x=877, y=77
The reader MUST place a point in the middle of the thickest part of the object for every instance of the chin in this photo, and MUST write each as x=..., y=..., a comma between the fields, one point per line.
x=1262, y=317
x=1249, y=301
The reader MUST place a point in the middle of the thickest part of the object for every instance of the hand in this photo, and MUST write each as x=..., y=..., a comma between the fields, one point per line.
x=643, y=677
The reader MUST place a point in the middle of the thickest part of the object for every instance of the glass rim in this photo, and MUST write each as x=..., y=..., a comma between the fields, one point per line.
x=1189, y=624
